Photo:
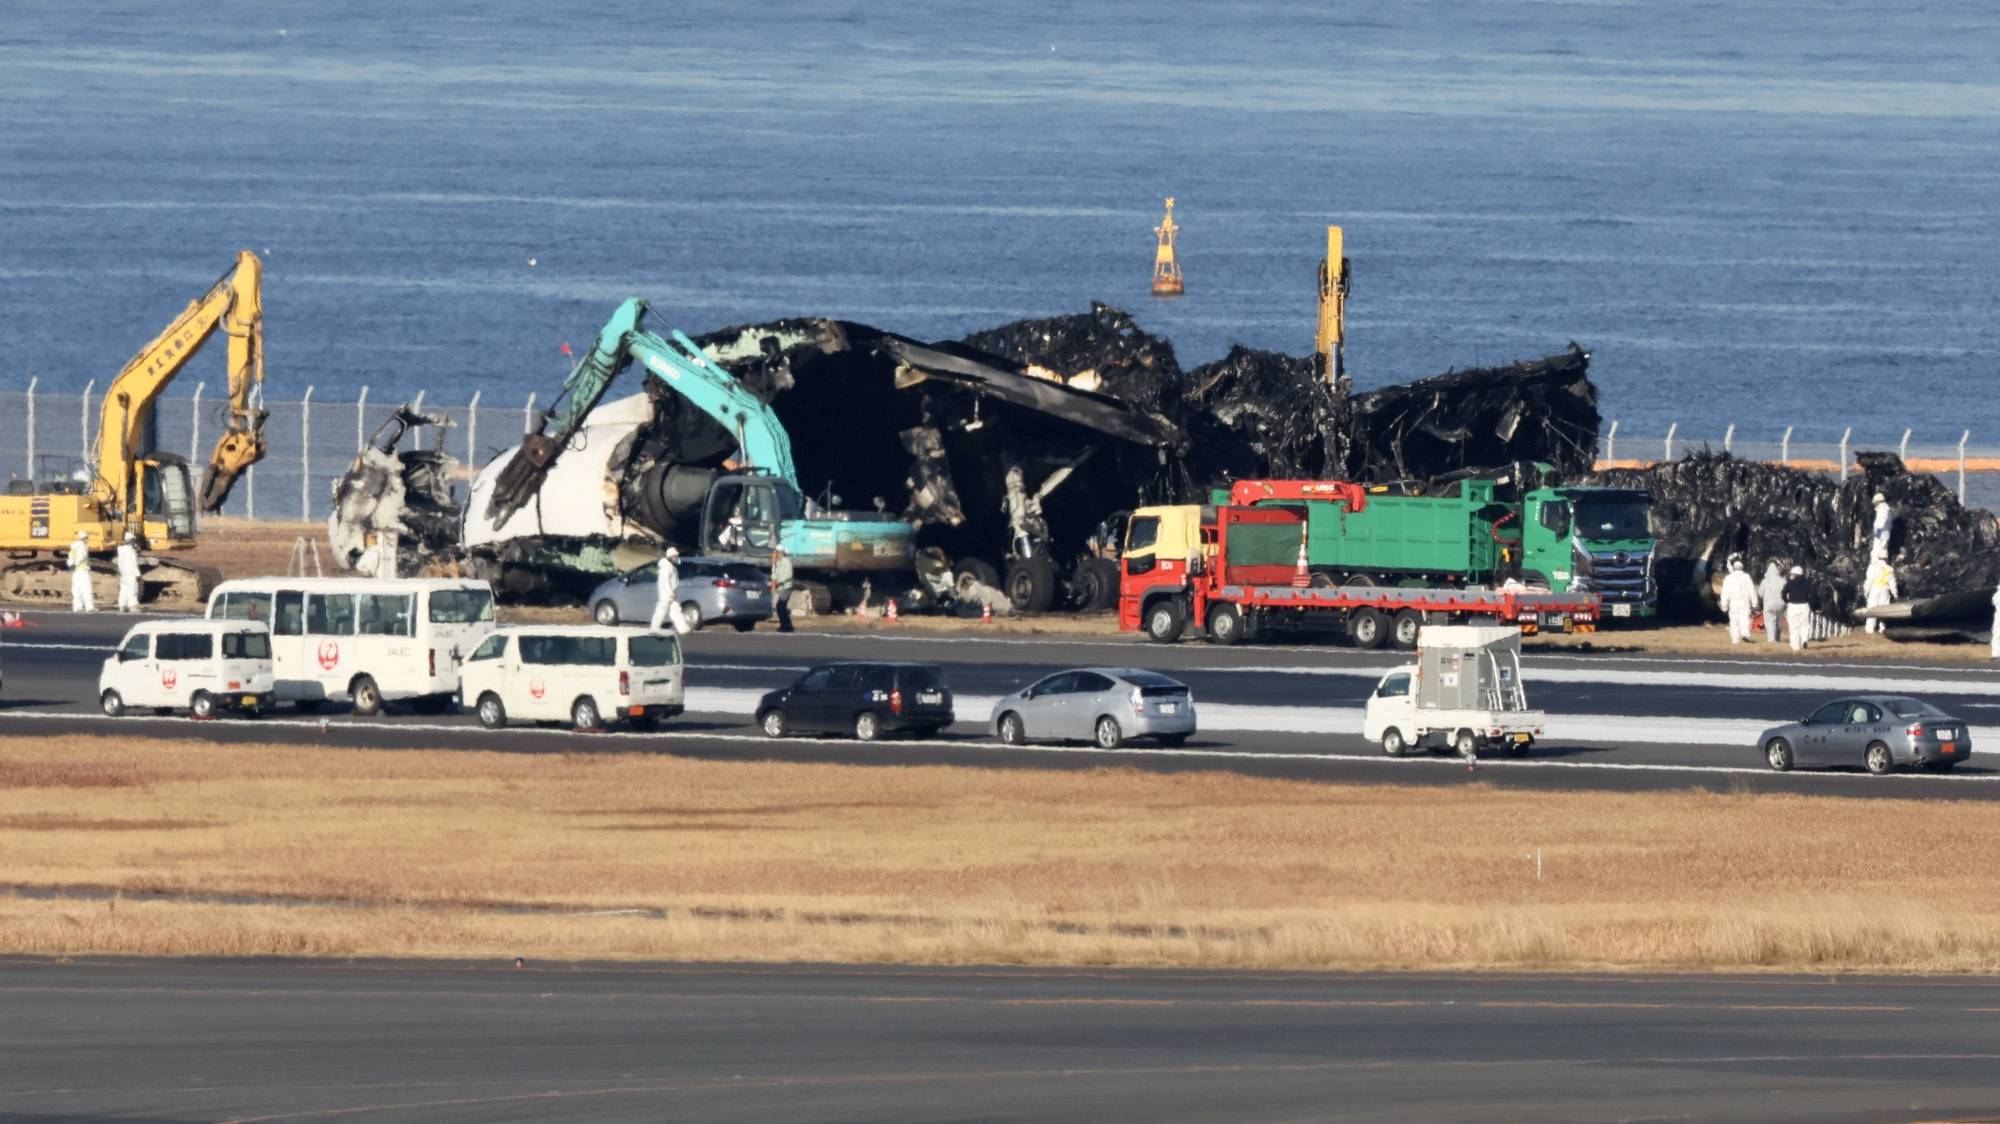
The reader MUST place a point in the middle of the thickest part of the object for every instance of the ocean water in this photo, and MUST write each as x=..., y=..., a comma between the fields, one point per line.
x=1757, y=212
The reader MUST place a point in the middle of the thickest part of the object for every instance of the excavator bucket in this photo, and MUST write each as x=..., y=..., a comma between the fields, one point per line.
x=236, y=452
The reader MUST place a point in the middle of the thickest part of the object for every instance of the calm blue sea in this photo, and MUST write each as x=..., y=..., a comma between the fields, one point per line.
x=1763, y=212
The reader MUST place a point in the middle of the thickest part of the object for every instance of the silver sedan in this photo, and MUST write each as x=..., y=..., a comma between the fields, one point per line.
x=1876, y=732
x=711, y=591
x=1105, y=705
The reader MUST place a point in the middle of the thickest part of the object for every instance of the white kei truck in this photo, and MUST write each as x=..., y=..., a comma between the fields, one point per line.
x=1464, y=694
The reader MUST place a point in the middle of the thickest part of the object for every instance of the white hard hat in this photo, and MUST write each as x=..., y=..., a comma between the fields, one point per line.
x=1880, y=498
x=131, y=536
x=1798, y=571
x=673, y=552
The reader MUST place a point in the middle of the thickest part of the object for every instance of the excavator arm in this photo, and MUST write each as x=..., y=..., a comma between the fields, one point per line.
x=233, y=305
x=680, y=364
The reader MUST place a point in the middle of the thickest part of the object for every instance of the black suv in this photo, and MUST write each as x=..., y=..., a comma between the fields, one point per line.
x=864, y=699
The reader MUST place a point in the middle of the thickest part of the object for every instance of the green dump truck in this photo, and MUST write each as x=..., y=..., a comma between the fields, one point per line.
x=1568, y=539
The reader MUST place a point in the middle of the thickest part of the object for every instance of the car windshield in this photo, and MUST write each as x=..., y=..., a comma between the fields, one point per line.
x=1913, y=708
x=461, y=606
x=655, y=650
x=923, y=677
x=246, y=646
x=1611, y=519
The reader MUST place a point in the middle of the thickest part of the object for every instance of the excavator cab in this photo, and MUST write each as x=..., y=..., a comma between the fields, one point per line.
x=743, y=514
x=166, y=500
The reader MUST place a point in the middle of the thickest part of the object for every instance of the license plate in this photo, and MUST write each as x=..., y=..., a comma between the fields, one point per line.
x=755, y=595
x=1948, y=733
x=1170, y=708
x=1621, y=610
x=1948, y=747
x=930, y=698
x=1522, y=738
x=249, y=700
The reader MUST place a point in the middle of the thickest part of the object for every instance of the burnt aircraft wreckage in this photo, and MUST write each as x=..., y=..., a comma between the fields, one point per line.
x=1012, y=454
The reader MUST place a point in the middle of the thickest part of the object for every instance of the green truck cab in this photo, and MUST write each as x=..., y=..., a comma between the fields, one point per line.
x=1571, y=539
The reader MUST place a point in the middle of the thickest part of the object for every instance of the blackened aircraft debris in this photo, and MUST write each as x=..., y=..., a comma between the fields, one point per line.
x=1007, y=450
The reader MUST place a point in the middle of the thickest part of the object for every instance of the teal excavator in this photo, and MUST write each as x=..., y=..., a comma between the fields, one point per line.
x=753, y=504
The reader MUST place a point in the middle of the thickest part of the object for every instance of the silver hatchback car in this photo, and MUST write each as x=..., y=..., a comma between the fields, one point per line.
x=1105, y=705
x=1876, y=732
x=711, y=591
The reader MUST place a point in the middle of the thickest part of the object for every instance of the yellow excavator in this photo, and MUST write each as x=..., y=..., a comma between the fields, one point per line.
x=131, y=487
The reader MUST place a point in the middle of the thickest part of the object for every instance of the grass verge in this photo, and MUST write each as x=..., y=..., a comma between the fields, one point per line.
x=325, y=852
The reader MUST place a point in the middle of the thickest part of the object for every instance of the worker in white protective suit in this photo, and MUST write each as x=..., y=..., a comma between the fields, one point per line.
x=1798, y=608
x=1739, y=600
x=82, y=599
x=128, y=573
x=1996, y=624
x=1885, y=519
x=1771, y=594
x=1878, y=588
x=666, y=598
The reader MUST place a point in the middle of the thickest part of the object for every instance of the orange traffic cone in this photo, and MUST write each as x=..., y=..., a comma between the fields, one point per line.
x=1301, y=578
x=891, y=615
x=986, y=612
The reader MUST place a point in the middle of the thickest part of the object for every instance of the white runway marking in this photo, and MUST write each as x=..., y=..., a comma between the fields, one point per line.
x=344, y=725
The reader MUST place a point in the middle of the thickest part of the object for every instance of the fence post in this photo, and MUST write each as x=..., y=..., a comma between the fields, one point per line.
x=360, y=420
x=1728, y=437
x=87, y=388
x=305, y=455
x=1785, y=447
x=417, y=407
x=1611, y=442
x=1903, y=450
x=472, y=431
x=528, y=416
x=1671, y=430
x=1962, y=439
x=1847, y=433
x=31, y=425
x=194, y=438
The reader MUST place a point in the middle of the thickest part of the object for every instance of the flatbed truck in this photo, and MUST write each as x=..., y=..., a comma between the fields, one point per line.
x=1237, y=573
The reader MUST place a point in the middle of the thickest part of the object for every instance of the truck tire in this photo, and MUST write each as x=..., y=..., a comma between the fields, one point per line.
x=1393, y=743
x=1225, y=624
x=1031, y=584
x=1368, y=628
x=1405, y=627
x=1165, y=620
x=1465, y=743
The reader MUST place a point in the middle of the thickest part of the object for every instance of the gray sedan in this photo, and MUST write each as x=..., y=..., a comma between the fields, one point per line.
x=1876, y=732
x=1105, y=705
x=711, y=591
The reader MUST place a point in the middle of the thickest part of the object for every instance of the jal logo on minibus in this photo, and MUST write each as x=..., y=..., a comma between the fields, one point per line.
x=169, y=677
x=537, y=688
x=329, y=654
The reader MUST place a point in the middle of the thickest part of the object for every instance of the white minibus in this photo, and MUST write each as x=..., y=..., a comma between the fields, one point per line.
x=369, y=640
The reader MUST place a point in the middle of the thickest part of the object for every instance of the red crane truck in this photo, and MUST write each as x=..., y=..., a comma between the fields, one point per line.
x=1236, y=572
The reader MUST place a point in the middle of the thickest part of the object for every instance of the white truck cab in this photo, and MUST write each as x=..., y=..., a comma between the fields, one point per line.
x=200, y=665
x=1464, y=693
x=586, y=675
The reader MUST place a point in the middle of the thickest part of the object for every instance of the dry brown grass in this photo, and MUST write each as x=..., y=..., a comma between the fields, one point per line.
x=429, y=853
x=251, y=548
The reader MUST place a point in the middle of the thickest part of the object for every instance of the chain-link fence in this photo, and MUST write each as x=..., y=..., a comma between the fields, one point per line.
x=1951, y=457
x=311, y=441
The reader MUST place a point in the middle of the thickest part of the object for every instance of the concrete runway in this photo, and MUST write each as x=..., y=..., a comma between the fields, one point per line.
x=1618, y=722
x=195, y=1040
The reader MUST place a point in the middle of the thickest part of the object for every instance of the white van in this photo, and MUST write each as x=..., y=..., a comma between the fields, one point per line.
x=370, y=640
x=202, y=665
x=586, y=675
